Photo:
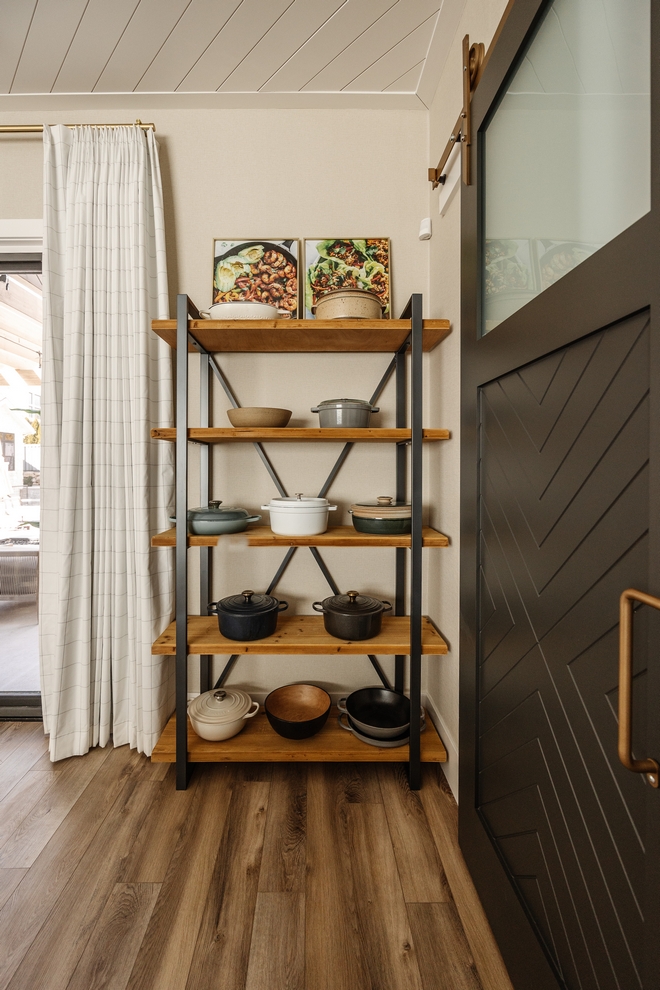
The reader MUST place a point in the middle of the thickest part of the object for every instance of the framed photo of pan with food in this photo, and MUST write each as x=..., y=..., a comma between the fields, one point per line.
x=347, y=263
x=258, y=270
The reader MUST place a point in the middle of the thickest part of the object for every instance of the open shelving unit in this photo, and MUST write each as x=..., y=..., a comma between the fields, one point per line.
x=401, y=635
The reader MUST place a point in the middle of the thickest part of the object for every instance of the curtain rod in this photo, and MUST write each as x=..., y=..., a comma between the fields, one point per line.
x=38, y=128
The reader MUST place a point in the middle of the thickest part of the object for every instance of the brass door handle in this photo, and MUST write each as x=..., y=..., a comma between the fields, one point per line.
x=648, y=766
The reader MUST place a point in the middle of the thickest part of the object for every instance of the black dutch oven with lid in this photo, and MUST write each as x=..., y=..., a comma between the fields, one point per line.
x=247, y=616
x=352, y=616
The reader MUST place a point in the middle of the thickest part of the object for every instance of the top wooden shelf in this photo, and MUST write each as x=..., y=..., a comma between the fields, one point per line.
x=290, y=336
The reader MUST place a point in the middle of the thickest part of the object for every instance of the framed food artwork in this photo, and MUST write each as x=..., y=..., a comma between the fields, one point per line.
x=347, y=263
x=260, y=270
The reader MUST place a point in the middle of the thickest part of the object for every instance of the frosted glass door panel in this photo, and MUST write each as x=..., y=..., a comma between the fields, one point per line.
x=567, y=152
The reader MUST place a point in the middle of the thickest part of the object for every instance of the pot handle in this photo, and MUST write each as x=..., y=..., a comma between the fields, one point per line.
x=341, y=706
x=283, y=606
x=205, y=313
x=331, y=508
x=212, y=608
x=252, y=714
x=320, y=608
x=253, y=518
x=315, y=409
x=375, y=409
x=341, y=724
x=264, y=507
x=389, y=606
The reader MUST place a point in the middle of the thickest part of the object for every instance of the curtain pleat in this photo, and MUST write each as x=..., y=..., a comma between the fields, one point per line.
x=106, y=486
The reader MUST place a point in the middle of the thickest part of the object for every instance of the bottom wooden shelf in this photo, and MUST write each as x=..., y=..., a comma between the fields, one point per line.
x=258, y=743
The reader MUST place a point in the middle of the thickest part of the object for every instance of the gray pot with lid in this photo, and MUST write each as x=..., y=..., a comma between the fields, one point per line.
x=344, y=413
x=352, y=616
x=215, y=519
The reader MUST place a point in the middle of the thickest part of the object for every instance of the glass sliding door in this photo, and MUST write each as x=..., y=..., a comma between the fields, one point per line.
x=20, y=462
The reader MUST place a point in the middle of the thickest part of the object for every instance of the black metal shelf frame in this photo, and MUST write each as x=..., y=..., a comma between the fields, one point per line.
x=208, y=365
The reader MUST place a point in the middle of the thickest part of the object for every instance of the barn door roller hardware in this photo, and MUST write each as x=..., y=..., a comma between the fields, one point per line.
x=473, y=61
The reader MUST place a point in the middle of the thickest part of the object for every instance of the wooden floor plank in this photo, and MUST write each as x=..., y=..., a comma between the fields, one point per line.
x=23, y=916
x=359, y=782
x=14, y=735
x=333, y=949
x=383, y=921
x=440, y=807
x=9, y=881
x=61, y=941
x=30, y=747
x=152, y=849
x=420, y=870
x=277, y=949
x=45, y=817
x=110, y=953
x=21, y=799
x=443, y=954
x=283, y=865
x=169, y=942
x=223, y=944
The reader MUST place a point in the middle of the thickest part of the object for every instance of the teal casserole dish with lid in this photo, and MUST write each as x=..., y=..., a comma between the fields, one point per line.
x=215, y=519
x=384, y=517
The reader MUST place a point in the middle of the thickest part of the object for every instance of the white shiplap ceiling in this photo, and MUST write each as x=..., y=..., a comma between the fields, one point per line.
x=224, y=53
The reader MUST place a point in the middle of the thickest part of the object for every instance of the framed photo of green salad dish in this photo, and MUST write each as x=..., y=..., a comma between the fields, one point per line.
x=261, y=270
x=347, y=263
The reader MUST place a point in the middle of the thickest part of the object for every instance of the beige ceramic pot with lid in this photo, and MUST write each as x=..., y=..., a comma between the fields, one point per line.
x=348, y=304
x=221, y=713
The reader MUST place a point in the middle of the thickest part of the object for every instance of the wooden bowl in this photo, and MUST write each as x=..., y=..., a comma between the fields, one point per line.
x=259, y=416
x=297, y=711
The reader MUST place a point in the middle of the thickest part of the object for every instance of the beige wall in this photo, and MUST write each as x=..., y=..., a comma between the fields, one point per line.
x=479, y=21
x=284, y=173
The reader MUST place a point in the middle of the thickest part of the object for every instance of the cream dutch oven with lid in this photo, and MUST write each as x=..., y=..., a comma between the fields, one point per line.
x=222, y=713
x=302, y=515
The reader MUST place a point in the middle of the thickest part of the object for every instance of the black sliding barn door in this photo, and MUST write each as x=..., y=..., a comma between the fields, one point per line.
x=561, y=513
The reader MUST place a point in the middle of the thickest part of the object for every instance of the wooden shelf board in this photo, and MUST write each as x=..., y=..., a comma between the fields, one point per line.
x=301, y=634
x=258, y=743
x=299, y=336
x=287, y=434
x=335, y=536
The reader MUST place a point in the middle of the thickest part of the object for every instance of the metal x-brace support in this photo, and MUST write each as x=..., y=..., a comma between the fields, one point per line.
x=219, y=374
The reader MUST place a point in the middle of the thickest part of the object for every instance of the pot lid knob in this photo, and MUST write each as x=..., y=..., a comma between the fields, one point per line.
x=384, y=499
x=220, y=695
x=215, y=504
x=352, y=595
x=247, y=595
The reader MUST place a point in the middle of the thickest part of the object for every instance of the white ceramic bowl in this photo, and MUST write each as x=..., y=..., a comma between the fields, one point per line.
x=241, y=310
x=299, y=516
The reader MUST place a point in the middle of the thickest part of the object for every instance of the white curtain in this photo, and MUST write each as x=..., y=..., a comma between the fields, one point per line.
x=106, y=487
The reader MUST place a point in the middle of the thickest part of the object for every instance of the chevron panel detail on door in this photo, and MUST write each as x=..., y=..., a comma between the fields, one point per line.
x=563, y=530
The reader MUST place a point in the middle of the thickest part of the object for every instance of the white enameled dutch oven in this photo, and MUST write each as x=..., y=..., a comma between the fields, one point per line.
x=222, y=713
x=301, y=515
